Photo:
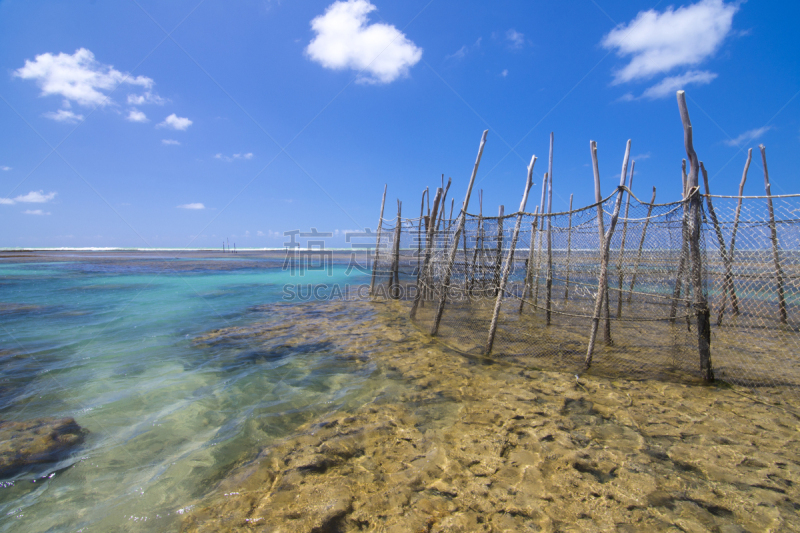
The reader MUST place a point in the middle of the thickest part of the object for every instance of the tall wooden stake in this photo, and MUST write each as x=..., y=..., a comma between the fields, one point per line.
x=394, y=288
x=377, y=243
x=424, y=273
x=727, y=282
x=498, y=259
x=540, y=236
x=459, y=228
x=622, y=245
x=700, y=304
x=641, y=245
x=598, y=198
x=605, y=240
x=510, y=260
x=569, y=248
x=529, y=265
x=774, y=236
x=734, y=299
x=549, y=283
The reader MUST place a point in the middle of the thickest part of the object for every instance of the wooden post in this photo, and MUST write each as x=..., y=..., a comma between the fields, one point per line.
x=700, y=304
x=419, y=233
x=676, y=292
x=529, y=265
x=602, y=284
x=443, y=210
x=727, y=281
x=549, y=283
x=569, y=248
x=459, y=228
x=774, y=236
x=510, y=260
x=498, y=258
x=424, y=274
x=543, y=207
x=622, y=245
x=641, y=245
x=394, y=287
x=734, y=299
x=478, y=242
x=377, y=243
x=598, y=198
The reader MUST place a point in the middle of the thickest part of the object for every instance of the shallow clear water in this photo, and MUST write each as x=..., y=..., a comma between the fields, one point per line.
x=110, y=344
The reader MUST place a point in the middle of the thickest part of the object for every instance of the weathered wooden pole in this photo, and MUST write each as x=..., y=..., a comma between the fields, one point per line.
x=727, y=281
x=734, y=298
x=549, y=282
x=394, y=288
x=569, y=248
x=507, y=267
x=478, y=242
x=529, y=265
x=602, y=284
x=702, y=312
x=420, y=233
x=641, y=245
x=540, y=236
x=443, y=210
x=498, y=258
x=622, y=245
x=676, y=292
x=377, y=243
x=424, y=273
x=459, y=228
x=598, y=198
x=774, y=236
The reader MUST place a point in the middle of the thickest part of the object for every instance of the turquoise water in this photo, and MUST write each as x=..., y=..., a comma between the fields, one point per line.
x=109, y=342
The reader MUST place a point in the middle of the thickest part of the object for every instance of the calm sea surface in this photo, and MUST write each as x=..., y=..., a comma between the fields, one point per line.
x=107, y=339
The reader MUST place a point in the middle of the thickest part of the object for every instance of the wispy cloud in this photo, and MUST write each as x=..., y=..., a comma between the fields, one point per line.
x=5, y=169
x=749, y=135
x=170, y=142
x=504, y=73
x=192, y=206
x=345, y=39
x=462, y=52
x=33, y=197
x=516, y=40
x=136, y=116
x=36, y=212
x=147, y=97
x=175, y=122
x=63, y=115
x=669, y=85
x=640, y=157
x=234, y=157
x=661, y=41
x=77, y=77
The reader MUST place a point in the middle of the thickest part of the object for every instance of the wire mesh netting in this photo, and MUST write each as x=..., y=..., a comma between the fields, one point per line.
x=747, y=269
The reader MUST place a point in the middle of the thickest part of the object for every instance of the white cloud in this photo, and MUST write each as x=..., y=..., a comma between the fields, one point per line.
x=146, y=98
x=77, y=77
x=5, y=169
x=36, y=212
x=640, y=157
x=516, y=39
x=35, y=197
x=345, y=39
x=260, y=234
x=660, y=42
x=458, y=54
x=669, y=85
x=504, y=73
x=175, y=122
x=136, y=116
x=6, y=201
x=192, y=206
x=234, y=157
x=170, y=142
x=63, y=115
x=749, y=135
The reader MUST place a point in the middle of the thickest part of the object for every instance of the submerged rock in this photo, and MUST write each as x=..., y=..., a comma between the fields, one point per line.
x=41, y=440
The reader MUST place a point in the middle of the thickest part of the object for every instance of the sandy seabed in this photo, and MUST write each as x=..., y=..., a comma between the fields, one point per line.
x=465, y=444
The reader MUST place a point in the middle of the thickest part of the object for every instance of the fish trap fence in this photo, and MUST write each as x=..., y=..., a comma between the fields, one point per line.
x=533, y=299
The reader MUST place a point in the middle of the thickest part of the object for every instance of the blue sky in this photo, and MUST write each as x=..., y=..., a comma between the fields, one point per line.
x=175, y=124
